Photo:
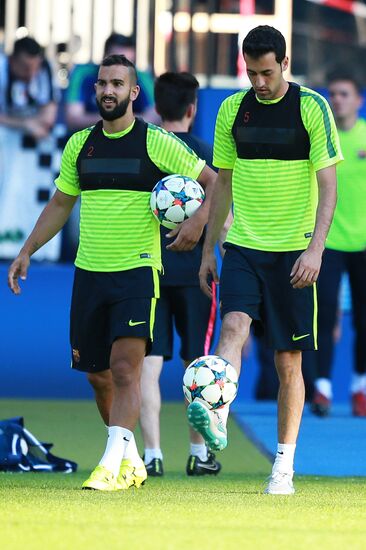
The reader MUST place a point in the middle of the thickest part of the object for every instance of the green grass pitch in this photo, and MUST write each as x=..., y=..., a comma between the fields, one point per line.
x=176, y=512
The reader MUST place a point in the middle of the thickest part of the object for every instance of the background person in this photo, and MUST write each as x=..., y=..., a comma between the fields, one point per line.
x=28, y=96
x=80, y=106
x=274, y=143
x=182, y=304
x=116, y=278
x=28, y=144
x=345, y=249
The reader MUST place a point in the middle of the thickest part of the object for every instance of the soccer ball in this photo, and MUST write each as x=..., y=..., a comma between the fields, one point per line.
x=175, y=198
x=211, y=380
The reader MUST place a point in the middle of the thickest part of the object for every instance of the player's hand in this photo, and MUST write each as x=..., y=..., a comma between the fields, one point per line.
x=187, y=235
x=208, y=273
x=306, y=269
x=36, y=128
x=18, y=269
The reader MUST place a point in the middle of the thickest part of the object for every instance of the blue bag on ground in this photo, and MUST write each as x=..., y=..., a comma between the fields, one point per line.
x=20, y=451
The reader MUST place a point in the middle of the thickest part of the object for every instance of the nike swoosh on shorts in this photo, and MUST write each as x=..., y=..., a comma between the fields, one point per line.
x=295, y=338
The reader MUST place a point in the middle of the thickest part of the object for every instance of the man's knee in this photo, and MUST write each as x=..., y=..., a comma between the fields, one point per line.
x=236, y=326
x=288, y=365
x=151, y=369
x=124, y=373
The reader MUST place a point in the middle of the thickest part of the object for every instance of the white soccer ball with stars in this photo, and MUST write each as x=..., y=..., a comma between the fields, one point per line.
x=211, y=380
x=175, y=198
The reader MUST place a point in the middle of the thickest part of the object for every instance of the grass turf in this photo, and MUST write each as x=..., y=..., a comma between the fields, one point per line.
x=230, y=511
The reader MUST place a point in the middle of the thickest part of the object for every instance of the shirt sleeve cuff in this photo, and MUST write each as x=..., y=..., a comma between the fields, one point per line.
x=223, y=165
x=328, y=162
x=66, y=188
x=198, y=168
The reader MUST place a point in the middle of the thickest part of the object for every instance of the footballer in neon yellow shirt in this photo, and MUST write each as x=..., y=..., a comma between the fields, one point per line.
x=114, y=167
x=276, y=147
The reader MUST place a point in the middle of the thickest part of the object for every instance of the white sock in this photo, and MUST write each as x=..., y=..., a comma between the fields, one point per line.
x=358, y=383
x=200, y=450
x=131, y=451
x=324, y=386
x=150, y=454
x=118, y=438
x=224, y=413
x=284, y=461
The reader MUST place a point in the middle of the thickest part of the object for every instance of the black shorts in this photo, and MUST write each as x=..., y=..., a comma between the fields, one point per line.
x=258, y=283
x=189, y=310
x=107, y=306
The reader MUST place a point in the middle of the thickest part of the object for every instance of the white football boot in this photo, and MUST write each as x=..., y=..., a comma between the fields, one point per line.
x=280, y=483
x=209, y=424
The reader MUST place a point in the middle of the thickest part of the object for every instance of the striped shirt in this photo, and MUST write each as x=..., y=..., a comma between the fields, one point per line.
x=117, y=229
x=348, y=229
x=275, y=200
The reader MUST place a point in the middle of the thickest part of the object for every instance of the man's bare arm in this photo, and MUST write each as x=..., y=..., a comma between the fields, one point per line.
x=219, y=211
x=306, y=268
x=49, y=223
x=47, y=115
x=77, y=117
x=38, y=125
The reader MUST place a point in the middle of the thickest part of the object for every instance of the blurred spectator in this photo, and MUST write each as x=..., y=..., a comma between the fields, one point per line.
x=28, y=144
x=345, y=249
x=81, y=110
x=27, y=94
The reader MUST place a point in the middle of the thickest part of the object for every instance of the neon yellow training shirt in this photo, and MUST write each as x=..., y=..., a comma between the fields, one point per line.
x=275, y=200
x=117, y=229
x=348, y=229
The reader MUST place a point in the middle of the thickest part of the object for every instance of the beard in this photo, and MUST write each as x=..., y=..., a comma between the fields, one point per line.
x=118, y=112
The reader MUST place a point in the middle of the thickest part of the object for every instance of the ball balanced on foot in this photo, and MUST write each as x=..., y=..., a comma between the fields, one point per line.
x=210, y=384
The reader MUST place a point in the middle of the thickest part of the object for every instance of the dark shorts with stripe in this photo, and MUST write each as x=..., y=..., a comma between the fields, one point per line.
x=107, y=306
x=188, y=309
x=258, y=283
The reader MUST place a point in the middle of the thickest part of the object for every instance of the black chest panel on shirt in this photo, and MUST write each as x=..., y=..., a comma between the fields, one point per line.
x=271, y=131
x=121, y=163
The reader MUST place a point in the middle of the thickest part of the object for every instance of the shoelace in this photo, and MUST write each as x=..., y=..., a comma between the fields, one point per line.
x=219, y=423
x=278, y=477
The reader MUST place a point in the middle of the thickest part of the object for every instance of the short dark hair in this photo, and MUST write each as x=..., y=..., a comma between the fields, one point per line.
x=337, y=75
x=116, y=59
x=116, y=39
x=173, y=93
x=262, y=40
x=27, y=45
